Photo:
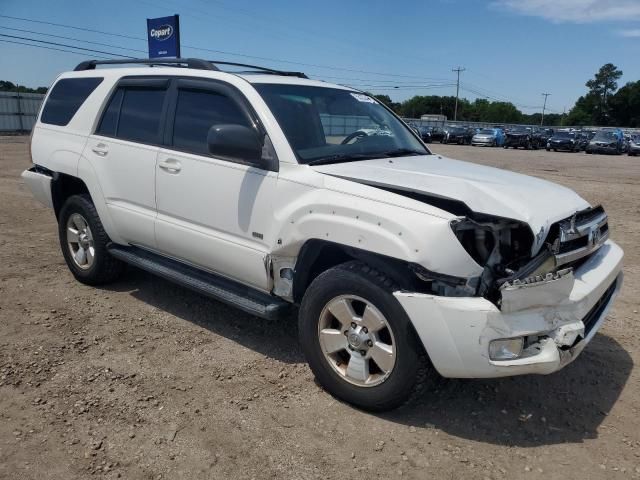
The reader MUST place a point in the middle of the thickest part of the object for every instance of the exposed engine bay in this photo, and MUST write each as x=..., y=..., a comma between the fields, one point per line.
x=503, y=248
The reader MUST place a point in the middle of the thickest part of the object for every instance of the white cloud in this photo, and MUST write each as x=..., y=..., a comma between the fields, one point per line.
x=633, y=33
x=578, y=11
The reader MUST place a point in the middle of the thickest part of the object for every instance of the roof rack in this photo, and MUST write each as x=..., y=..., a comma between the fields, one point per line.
x=195, y=63
x=164, y=62
x=261, y=69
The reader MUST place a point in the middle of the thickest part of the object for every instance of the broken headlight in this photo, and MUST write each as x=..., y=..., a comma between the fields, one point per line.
x=493, y=241
x=478, y=240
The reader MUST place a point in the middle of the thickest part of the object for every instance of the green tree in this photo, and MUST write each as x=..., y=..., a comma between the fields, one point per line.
x=6, y=86
x=625, y=105
x=386, y=99
x=502, y=112
x=601, y=86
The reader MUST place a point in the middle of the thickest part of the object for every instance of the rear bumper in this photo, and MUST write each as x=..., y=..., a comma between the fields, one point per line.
x=558, y=317
x=39, y=183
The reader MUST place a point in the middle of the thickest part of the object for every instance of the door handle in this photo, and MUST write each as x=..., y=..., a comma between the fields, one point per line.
x=101, y=149
x=170, y=165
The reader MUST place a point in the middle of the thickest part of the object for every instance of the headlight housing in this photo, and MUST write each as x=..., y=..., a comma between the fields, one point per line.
x=498, y=242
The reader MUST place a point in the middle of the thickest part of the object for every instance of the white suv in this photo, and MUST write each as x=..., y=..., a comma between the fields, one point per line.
x=267, y=190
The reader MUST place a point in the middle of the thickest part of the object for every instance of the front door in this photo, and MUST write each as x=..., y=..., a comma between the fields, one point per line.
x=214, y=213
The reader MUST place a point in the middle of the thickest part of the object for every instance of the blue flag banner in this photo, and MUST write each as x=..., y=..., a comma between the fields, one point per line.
x=164, y=36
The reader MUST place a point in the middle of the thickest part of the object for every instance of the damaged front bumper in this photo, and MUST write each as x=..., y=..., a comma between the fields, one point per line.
x=555, y=317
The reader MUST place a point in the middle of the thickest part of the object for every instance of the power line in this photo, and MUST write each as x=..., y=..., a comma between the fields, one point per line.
x=458, y=71
x=73, y=27
x=72, y=38
x=223, y=52
x=50, y=48
x=64, y=45
x=476, y=90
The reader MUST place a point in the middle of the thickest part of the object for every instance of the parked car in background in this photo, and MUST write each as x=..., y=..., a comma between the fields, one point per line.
x=453, y=134
x=425, y=133
x=545, y=135
x=488, y=137
x=437, y=134
x=583, y=138
x=525, y=137
x=564, y=140
x=634, y=145
x=469, y=133
x=607, y=141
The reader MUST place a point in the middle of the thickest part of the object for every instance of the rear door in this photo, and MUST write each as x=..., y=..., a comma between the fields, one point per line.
x=123, y=153
x=215, y=213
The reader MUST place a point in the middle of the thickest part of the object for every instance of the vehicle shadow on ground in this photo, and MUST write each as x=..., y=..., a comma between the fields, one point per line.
x=524, y=411
x=527, y=411
x=274, y=339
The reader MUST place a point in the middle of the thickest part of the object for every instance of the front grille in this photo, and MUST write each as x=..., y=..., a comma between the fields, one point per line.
x=594, y=314
x=580, y=235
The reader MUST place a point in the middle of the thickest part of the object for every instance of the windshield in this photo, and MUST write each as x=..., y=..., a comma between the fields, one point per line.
x=486, y=131
x=329, y=125
x=565, y=135
x=609, y=136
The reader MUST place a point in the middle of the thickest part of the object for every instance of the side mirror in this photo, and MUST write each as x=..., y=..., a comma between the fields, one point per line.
x=235, y=142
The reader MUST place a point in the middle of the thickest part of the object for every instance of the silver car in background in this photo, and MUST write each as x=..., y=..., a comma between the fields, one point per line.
x=487, y=137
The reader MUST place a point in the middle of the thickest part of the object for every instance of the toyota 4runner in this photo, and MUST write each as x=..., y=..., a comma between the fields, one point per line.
x=267, y=191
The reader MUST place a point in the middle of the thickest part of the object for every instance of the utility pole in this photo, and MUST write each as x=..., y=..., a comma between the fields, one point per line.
x=458, y=71
x=544, y=107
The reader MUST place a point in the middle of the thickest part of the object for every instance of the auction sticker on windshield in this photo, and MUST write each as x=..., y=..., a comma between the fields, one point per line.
x=363, y=98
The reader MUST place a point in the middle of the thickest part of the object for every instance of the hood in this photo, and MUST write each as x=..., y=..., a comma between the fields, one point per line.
x=561, y=139
x=485, y=136
x=518, y=134
x=483, y=189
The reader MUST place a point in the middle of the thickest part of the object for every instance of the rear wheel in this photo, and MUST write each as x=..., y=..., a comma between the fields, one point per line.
x=357, y=338
x=84, y=242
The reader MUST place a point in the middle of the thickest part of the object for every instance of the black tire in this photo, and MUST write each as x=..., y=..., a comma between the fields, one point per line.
x=409, y=371
x=105, y=268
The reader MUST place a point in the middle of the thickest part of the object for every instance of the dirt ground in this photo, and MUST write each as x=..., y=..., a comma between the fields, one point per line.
x=145, y=380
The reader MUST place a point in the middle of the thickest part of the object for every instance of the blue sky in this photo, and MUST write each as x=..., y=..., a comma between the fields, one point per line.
x=512, y=49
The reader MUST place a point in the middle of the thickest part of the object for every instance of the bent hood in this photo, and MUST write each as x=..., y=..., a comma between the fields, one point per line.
x=483, y=189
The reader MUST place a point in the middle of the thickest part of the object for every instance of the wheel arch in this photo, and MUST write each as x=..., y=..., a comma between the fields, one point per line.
x=64, y=186
x=317, y=256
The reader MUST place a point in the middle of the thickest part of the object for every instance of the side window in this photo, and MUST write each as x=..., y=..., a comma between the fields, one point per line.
x=141, y=114
x=196, y=112
x=134, y=113
x=109, y=123
x=66, y=97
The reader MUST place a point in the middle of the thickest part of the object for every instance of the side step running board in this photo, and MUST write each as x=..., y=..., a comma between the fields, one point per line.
x=232, y=293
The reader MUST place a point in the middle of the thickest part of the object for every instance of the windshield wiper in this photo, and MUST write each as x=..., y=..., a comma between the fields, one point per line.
x=342, y=157
x=346, y=157
x=402, y=152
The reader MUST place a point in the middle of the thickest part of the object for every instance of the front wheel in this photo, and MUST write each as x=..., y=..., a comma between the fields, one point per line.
x=84, y=242
x=357, y=338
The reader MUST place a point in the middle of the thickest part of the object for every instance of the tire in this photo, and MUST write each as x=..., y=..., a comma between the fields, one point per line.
x=548, y=149
x=359, y=285
x=100, y=267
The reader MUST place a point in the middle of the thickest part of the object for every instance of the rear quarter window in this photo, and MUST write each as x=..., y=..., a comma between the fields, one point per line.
x=66, y=97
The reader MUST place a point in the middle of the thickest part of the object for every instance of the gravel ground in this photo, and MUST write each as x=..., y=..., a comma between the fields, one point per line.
x=143, y=379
